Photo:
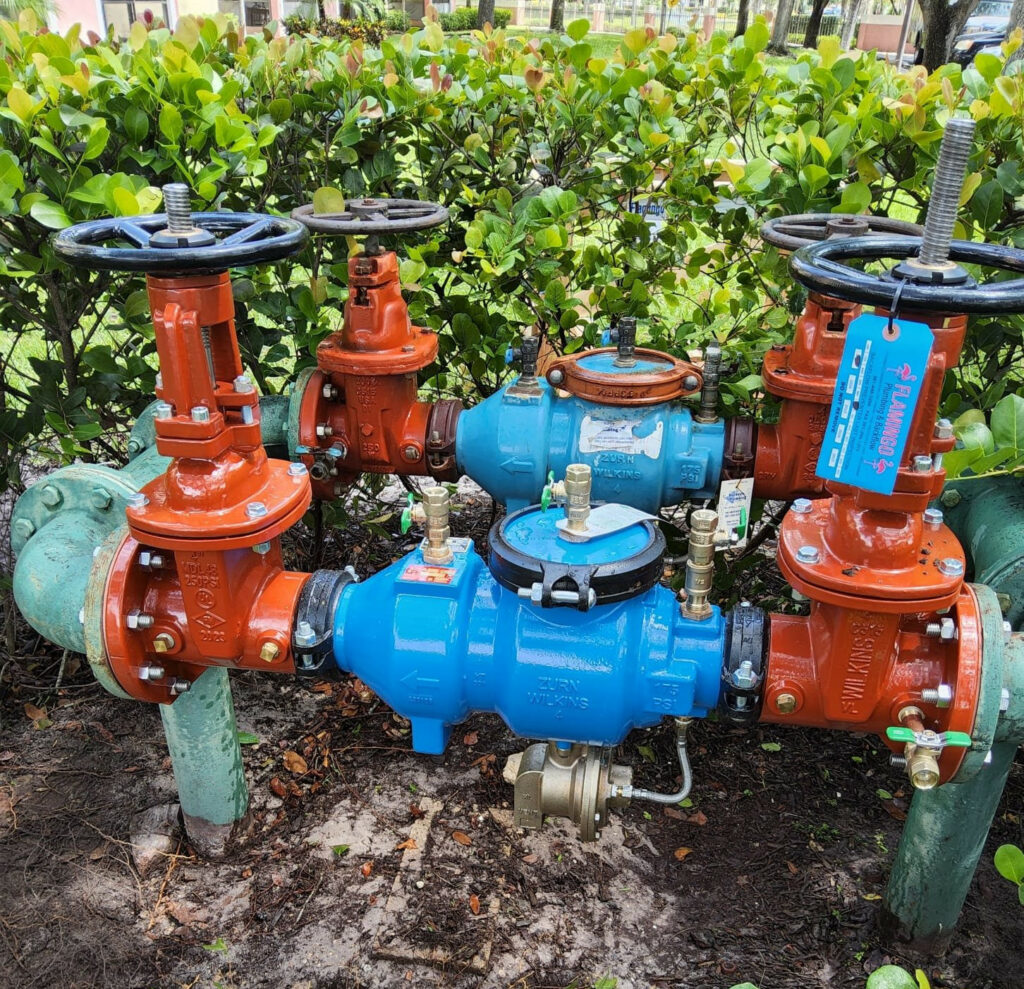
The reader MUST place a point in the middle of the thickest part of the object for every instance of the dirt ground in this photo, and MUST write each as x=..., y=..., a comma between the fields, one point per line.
x=379, y=867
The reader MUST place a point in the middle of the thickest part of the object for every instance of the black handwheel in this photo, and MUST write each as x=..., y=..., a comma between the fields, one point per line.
x=820, y=268
x=374, y=216
x=213, y=242
x=797, y=230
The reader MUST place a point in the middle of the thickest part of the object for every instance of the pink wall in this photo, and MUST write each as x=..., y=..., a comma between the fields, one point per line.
x=84, y=12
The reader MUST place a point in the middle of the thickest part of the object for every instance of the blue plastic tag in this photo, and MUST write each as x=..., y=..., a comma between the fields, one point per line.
x=873, y=407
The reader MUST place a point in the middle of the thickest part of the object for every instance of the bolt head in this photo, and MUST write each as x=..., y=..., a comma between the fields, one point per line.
x=137, y=500
x=51, y=496
x=24, y=528
x=101, y=498
x=690, y=382
x=150, y=560
x=200, y=413
x=807, y=554
x=324, y=429
x=943, y=430
x=297, y=470
x=164, y=410
x=1004, y=700
x=269, y=651
x=151, y=672
x=556, y=377
x=921, y=464
x=947, y=630
x=951, y=567
x=411, y=452
x=951, y=498
x=932, y=516
x=261, y=549
x=256, y=509
x=304, y=636
x=801, y=506
x=785, y=703
x=81, y=616
x=243, y=385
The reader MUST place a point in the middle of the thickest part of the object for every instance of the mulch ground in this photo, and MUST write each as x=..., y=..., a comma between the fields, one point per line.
x=379, y=867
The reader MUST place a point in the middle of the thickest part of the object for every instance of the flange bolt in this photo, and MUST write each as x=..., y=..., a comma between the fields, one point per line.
x=801, y=506
x=180, y=687
x=933, y=516
x=807, y=554
x=305, y=636
x=243, y=385
x=297, y=470
x=951, y=567
x=164, y=410
x=151, y=672
x=256, y=509
x=940, y=696
x=137, y=500
x=51, y=496
x=200, y=413
x=921, y=464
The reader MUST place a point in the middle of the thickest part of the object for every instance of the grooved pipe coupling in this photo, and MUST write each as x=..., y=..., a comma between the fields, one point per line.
x=700, y=565
x=436, y=548
x=577, y=497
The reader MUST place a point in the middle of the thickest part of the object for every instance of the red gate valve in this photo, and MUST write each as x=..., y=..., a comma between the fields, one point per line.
x=360, y=409
x=803, y=374
x=217, y=593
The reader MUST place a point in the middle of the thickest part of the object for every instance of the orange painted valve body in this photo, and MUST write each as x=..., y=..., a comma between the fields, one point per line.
x=880, y=576
x=360, y=409
x=802, y=374
x=199, y=580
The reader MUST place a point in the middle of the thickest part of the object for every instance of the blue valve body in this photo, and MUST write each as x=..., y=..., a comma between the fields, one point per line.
x=644, y=456
x=440, y=642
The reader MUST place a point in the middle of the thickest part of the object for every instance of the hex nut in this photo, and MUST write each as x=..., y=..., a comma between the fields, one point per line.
x=101, y=499
x=785, y=703
x=24, y=528
x=51, y=496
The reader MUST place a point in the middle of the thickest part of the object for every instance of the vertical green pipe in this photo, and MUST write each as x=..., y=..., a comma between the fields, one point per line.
x=207, y=759
x=942, y=842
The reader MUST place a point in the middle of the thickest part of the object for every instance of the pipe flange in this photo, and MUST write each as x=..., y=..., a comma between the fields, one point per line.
x=440, y=445
x=654, y=378
x=745, y=665
x=92, y=613
x=313, y=628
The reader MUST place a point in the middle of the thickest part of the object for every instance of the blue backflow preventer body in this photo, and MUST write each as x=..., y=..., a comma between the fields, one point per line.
x=440, y=642
x=647, y=456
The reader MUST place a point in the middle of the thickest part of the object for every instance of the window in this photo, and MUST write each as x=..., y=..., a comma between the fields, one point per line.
x=122, y=14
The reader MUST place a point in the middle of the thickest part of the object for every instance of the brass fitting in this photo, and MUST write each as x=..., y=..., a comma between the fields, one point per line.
x=700, y=565
x=435, y=505
x=922, y=760
x=577, y=497
x=579, y=782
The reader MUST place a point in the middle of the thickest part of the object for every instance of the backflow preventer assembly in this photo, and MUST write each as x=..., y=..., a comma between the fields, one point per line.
x=171, y=569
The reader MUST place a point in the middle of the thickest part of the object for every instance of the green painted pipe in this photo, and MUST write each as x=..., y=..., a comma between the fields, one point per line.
x=987, y=516
x=56, y=526
x=274, y=411
x=946, y=828
x=65, y=529
x=203, y=741
x=942, y=842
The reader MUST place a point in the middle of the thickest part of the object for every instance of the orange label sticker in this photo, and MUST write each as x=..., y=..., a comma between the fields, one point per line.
x=428, y=575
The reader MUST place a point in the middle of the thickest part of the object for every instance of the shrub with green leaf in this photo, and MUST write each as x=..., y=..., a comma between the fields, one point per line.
x=1009, y=861
x=545, y=153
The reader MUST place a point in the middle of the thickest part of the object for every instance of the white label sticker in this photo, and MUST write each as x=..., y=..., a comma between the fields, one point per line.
x=603, y=520
x=602, y=435
x=734, y=501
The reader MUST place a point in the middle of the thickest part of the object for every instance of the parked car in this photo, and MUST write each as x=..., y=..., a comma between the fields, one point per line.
x=984, y=31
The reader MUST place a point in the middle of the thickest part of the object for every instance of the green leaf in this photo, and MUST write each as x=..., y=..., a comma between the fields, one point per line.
x=1008, y=422
x=646, y=752
x=606, y=982
x=410, y=271
x=813, y=178
x=50, y=214
x=856, y=198
x=577, y=30
x=987, y=204
x=136, y=123
x=247, y=738
x=219, y=945
x=757, y=36
x=891, y=977
x=340, y=850
x=757, y=173
x=280, y=110
x=328, y=200
x=771, y=746
x=975, y=436
x=171, y=124
x=86, y=431
x=635, y=41
x=883, y=794
x=1009, y=862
